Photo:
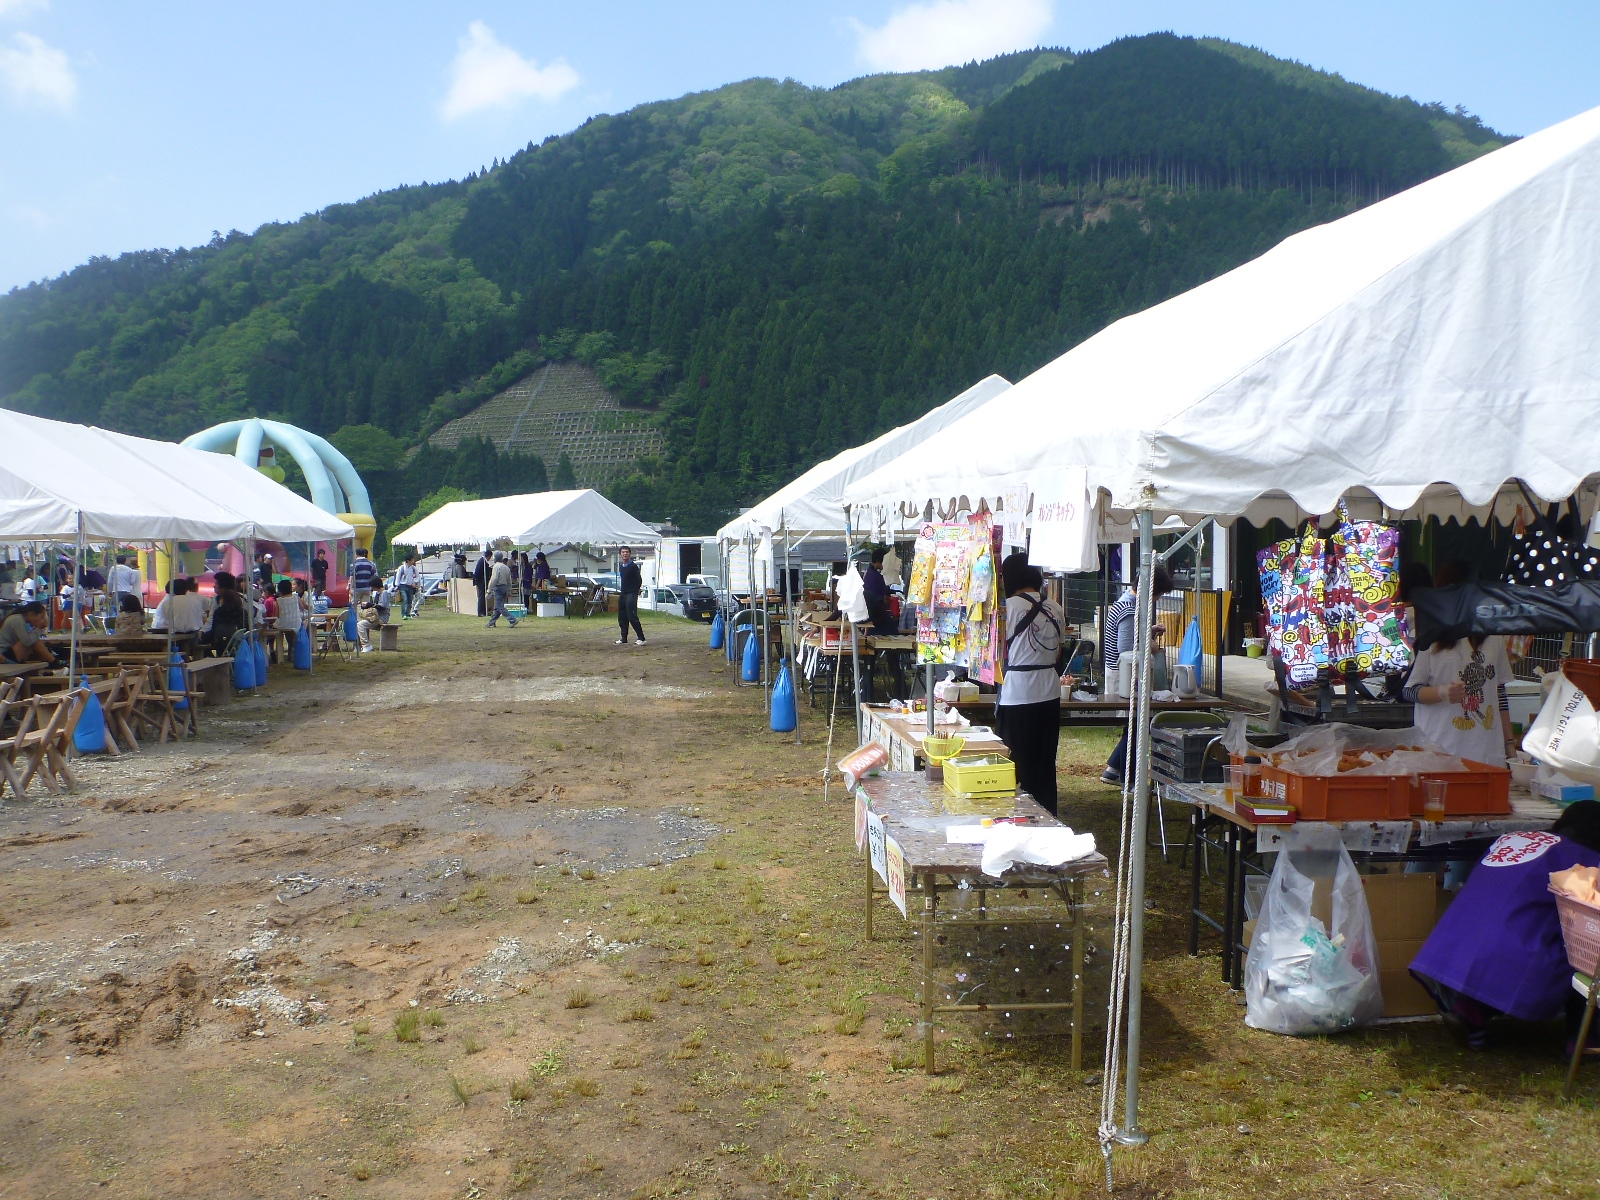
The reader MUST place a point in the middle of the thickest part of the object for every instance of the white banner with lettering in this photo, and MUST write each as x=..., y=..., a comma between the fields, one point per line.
x=1063, y=523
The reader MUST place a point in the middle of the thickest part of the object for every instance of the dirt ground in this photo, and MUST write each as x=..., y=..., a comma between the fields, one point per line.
x=521, y=913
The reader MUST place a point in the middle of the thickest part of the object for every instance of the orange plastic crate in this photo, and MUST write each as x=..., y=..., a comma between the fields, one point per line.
x=1480, y=790
x=1340, y=797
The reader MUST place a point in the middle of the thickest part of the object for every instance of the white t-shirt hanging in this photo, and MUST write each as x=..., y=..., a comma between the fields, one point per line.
x=1470, y=729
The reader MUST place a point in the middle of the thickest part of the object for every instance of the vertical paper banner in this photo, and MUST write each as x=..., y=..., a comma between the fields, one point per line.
x=1015, y=500
x=875, y=837
x=861, y=819
x=1063, y=525
x=897, y=874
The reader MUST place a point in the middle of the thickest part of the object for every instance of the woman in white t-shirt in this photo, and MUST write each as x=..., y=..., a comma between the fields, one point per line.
x=1459, y=689
x=1028, y=715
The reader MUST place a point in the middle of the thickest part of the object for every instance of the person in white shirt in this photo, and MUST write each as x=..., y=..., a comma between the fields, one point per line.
x=29, y=591
x=180, y=611
x=406, y=579
x=289, y=615
x=123, y=580
x=1028, y=715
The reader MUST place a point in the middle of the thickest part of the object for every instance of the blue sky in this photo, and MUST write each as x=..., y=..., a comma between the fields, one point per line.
x=126, y=126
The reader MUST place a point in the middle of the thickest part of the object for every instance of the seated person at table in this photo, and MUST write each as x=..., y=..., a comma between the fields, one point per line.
x=289, y=611
x=130, y=616
x=179, y=610
x=320, y=604
x=227, y=619
x=1497, y=950
x=22, y=635
x=876, y=589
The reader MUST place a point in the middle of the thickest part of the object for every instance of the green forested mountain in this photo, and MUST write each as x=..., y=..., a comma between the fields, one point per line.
x=776, y=271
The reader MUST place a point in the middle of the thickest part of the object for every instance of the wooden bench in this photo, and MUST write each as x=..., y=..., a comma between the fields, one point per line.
x=213, y=677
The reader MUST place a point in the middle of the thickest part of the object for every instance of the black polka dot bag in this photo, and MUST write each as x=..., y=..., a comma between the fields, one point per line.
x=1541, y=557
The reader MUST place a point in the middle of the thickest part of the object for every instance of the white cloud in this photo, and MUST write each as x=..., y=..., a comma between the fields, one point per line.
x=33, y=70
x=487, y=73
x=12, y=9
x=918, y=37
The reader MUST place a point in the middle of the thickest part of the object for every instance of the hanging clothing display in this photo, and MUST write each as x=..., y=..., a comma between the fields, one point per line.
x=953, y=583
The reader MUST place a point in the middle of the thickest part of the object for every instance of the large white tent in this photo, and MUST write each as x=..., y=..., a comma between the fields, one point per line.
x=1420, y=353
x=71, y=483
x=1418, y=358
x=814, y=503
x=584, y=517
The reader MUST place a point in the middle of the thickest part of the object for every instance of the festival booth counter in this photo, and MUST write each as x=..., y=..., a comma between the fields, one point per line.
x=1430, y=356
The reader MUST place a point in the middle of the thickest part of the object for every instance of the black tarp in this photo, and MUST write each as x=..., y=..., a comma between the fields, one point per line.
x=1468, y=608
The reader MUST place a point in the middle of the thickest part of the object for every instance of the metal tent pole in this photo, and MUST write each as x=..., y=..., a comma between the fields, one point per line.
x=1144, y=618
x=766, y=694
x=791, y=619
x=77, y=607
x=855, y=644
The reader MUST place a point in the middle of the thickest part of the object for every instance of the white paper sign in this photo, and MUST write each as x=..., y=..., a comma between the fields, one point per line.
x=1014, y=501
x=875, y=836
x=1063, y=531
x=896, y=878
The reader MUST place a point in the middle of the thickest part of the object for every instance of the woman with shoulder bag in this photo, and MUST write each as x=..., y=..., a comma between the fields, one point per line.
x=1028, y=714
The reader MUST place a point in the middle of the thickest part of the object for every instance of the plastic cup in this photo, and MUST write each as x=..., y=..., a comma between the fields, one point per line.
x=1233, y=784
x=1433, y=793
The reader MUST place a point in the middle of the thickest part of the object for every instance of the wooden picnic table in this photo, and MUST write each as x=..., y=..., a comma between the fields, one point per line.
x=901, y=821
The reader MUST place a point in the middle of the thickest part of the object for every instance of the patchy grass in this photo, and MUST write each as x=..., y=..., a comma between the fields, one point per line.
x=771, y=1074
x=580, y=997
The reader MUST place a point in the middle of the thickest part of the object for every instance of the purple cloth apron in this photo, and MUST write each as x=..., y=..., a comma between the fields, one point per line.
x=1500, y=941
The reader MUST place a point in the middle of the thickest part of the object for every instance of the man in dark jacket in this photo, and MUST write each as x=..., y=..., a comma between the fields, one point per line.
x=480, y=580
x=632, y=582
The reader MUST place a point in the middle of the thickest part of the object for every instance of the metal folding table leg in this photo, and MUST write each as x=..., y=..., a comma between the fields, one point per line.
x=1197, y=824
x=930, y=903
x=1231, y=838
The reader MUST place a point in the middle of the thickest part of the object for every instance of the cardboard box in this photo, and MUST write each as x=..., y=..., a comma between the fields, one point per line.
x=1403, y=996
x=1404, y=907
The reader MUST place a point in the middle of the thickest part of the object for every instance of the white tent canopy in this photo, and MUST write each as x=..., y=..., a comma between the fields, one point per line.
x=535, y=519
x=1419, y=354
x=815, y=501
x=59, y=481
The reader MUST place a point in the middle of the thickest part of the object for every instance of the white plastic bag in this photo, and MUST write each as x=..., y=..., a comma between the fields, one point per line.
x=1302, y=977
x=852, y=595
x=1566, y=733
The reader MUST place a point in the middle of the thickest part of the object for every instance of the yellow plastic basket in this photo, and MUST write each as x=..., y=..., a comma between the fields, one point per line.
x=940, y=748
x=980, y=775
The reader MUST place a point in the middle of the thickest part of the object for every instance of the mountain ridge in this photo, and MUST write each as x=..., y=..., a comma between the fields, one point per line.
x=773, y=271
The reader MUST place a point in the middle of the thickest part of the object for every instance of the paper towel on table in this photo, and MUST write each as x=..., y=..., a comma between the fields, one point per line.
x=1003, y=845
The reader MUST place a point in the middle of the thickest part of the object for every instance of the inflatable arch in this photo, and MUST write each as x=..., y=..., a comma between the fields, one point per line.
x=335, y=485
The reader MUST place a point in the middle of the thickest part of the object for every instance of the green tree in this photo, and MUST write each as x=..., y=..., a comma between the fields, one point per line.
x=368, y=447
x=565, y=479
